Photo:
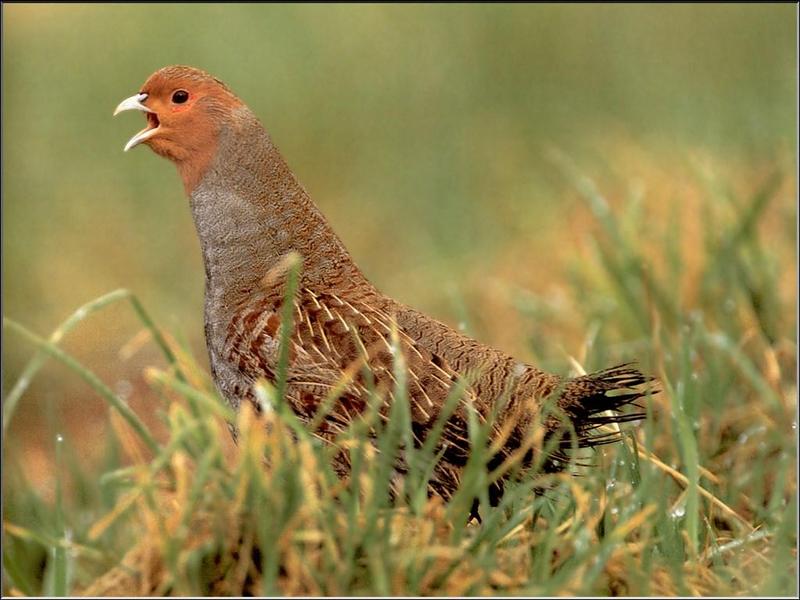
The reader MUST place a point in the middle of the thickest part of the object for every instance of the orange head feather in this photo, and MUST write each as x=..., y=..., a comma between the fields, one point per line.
x=185, y=110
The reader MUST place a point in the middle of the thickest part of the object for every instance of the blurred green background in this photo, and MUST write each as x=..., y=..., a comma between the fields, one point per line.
x=423, y=132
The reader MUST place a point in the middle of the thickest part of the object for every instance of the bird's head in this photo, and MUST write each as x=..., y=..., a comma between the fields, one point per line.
x=185, y=109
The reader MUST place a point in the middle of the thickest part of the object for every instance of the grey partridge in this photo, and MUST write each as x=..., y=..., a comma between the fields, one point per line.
x=250, y=212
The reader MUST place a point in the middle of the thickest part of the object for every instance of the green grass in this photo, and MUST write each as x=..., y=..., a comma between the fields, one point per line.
x=701, y=498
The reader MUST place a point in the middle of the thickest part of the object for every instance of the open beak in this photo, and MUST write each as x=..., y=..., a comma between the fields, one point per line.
x=135, y=103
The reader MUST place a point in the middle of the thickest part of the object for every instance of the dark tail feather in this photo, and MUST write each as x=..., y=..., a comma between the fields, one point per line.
x=594, y=400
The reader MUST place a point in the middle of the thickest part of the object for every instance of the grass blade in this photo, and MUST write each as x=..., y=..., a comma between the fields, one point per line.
x=59, y=552
x=94, y=382
x=36, y=363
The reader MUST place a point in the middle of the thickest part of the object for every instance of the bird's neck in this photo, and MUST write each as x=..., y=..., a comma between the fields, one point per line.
x=250, y=211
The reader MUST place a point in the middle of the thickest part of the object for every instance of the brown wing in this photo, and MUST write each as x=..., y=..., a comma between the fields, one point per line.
x=338, y=345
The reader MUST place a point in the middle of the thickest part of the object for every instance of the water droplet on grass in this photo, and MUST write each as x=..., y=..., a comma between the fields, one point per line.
x=679, y=512
x=581, y=541
x=124, y=388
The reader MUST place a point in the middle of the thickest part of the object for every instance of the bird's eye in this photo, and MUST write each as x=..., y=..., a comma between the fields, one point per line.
x=180, y=96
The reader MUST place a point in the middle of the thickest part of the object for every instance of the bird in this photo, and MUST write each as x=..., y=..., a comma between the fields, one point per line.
x=344, y=335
